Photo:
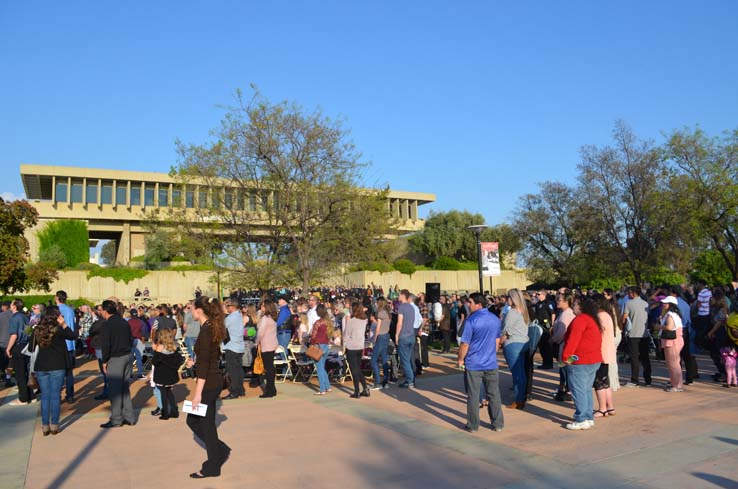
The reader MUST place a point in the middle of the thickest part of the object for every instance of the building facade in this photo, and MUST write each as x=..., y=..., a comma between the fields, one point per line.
x=114, y=202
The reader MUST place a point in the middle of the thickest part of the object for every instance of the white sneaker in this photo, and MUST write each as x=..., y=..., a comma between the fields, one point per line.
x=590, y=422
x=580, y=425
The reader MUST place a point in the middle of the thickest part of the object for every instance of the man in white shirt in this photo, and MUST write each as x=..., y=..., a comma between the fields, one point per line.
x=312, y=312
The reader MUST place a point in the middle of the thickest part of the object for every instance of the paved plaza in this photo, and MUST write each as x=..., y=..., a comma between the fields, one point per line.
x=395, y=439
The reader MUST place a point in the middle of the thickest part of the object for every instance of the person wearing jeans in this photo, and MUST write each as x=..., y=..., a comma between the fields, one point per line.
x=381, y=343
x=50, y=336
x=515, y=354
x=583, y=356
x=515, y=344
x=379, y=356
x=405, y=336
x=322, y=330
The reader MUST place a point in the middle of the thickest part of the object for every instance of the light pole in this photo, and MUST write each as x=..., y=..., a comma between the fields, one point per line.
x=477, y=229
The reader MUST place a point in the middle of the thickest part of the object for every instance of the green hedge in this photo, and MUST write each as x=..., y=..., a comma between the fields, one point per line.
x=405, y=266
x=68, y=237
x=121, y=274
x=29, y=300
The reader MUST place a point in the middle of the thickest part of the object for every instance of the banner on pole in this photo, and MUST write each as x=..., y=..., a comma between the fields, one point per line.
x=490, y=259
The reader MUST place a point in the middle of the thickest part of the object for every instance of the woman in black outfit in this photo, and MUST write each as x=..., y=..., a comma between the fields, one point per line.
x=209, y=313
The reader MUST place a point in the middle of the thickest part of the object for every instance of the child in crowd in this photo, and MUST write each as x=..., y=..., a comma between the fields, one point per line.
x=166, y=361
x=729, y=355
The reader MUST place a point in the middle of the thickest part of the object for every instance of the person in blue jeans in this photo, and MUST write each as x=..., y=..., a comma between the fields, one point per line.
x=320, y=334
x=382, y=319
x=515, y=344
x=50, y=336
x=583, y=356
x=405, y=337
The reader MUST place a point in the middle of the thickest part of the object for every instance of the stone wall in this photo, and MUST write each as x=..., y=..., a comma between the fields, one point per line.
x=164, y=286
x=451, y=281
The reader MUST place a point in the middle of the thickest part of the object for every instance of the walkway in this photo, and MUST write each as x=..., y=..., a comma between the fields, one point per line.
x=395, y=439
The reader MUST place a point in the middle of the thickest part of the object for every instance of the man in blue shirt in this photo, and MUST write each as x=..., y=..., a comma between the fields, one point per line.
x=16, y=342
x=284, y=328
x=234, y=350
x=478, y=356
x=68, y=314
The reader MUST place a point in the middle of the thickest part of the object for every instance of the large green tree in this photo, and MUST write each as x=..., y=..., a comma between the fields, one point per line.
x=705, y=183
x=625, y=184
x=447, y=234
x=558, y=232
x=287, y=193
x=16, y=273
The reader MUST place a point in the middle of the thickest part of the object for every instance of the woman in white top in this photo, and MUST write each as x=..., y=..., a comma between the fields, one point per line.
x=671, y=324
x=354, y=335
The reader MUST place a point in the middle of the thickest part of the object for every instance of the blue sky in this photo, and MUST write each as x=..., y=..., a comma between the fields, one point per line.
x=472, y=101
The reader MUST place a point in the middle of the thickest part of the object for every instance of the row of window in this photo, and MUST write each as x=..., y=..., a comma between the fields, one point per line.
x=250, y=201
x=77, y=196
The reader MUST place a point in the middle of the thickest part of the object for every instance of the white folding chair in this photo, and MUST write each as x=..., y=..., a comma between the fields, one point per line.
x=281, y=360
x=341, y=353
x=301, y=361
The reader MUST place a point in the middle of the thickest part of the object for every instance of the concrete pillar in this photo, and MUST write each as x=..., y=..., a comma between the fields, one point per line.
x=123, y=256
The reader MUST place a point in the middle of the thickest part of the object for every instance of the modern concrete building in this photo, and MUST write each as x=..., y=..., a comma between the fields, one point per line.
x=113, y=202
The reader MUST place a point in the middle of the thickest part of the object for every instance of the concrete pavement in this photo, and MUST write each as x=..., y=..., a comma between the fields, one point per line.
x=395, y=438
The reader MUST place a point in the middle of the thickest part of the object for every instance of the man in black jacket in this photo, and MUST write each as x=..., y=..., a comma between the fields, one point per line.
x=115, y=342
x=544, y=313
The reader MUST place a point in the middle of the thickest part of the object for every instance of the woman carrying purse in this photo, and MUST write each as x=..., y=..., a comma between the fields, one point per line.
x=672, y=341
x=322, y=330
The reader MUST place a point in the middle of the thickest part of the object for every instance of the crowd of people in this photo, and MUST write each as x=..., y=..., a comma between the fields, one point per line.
x=251, y=334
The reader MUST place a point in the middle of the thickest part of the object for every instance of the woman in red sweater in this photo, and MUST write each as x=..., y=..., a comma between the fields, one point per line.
x=583, y=356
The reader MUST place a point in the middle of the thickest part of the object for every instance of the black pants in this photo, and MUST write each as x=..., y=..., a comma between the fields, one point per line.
x=690, y=364
x=169, y=403
x=528, y=376
x=234, y=367
x=446, y=340
x=424, y=350
x=544, y=346
x=638, y=348
x=269, y=373
x=702, y=325
x=415, y=357
x=204, y=428
x=354, y=360
x=69, y=377
x=19, y=362
x=713, y=345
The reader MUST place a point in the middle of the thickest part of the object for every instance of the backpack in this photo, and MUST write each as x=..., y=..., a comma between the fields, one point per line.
x=535, y=331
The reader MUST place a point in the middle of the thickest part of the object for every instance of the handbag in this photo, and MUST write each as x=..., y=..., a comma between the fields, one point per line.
x=314, y=352
x=32, y=382
x=668, y=334
x=258, y=362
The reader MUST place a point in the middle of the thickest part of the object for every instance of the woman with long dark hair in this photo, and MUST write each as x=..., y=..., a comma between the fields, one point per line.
x=582, y=355
x=320, y=335
x=51, y=365
x=614, y=310
x=209, y=313
x=603, y=382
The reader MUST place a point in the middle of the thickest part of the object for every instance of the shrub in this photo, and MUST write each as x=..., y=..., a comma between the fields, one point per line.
x=54, y=256
x=374, y=266
x=29, y=300
x=446, y=263
x=121, y=274
x=404, y=266
x=70, y=236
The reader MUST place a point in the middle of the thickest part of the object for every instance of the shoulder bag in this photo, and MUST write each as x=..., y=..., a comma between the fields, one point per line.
x=258, y=362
